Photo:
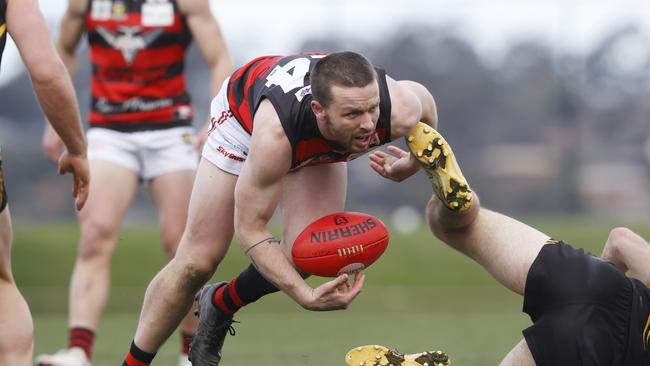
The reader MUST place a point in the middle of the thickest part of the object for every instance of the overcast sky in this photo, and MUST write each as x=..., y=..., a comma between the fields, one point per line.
x=255, y=27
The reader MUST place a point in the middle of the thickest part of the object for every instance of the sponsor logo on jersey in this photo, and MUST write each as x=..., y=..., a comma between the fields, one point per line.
x=129, y=40
x=132, y=105
x=229, y=154
x=343, y=232
x=119, y=10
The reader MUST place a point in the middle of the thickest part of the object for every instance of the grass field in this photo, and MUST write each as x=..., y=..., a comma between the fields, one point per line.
x=420, y=295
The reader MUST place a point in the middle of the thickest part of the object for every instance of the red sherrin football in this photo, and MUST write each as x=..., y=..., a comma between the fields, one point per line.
x=342, y=242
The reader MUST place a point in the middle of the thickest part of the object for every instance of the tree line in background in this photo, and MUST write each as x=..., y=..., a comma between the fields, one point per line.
x=536, y=129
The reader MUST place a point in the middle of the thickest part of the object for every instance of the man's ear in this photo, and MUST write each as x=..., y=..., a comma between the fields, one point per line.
x=318, y=109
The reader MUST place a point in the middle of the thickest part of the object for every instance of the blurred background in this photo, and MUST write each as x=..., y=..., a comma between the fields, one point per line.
x=546, y=104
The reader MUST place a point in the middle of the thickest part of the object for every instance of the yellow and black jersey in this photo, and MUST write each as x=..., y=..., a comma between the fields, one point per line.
x=3, y=26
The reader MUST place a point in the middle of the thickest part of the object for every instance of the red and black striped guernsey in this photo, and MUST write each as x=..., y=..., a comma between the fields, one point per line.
x=285, y=82
x=137, y=51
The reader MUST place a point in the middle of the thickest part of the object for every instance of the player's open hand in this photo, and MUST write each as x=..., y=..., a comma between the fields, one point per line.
x=336, y=294
x=396, y=166
x=78, y=166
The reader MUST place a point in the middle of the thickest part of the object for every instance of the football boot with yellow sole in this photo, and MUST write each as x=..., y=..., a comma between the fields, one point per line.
x=374, y=355
x=436, y=158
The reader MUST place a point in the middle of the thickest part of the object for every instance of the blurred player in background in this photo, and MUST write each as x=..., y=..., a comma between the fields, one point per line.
x=23, y=20
x=584, y=309
x=284, y=129
x=140, y=130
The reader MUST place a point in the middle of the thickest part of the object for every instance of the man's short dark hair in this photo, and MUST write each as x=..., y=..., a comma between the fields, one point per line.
x=347, y=69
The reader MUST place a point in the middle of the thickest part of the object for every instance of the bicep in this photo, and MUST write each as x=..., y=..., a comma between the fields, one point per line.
x=411, y=103
x=260, y=182
x=27, y=27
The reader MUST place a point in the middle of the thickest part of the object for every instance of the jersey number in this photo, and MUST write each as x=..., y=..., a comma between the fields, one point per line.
x=289, y=76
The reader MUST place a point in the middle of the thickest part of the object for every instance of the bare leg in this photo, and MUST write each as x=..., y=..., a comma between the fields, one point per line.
x=114, y=188
x=171, y=193
x=328, y=182
x=503, y=246
x=16, y=328
x=519, y=356
x=206, y=239
x=628, y=251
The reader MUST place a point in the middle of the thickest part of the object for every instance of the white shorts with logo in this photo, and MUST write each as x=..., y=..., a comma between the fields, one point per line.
x=228, y=142
x=148, y=153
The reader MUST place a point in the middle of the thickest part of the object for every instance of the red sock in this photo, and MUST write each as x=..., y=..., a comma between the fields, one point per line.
x=186, y=339
x=138, y=357
x=82, y=338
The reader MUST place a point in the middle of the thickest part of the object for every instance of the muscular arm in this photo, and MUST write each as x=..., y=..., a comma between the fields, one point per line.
x=209, y=39
x=256, y=196
x=71, y=29
x=411, y=102
x=53, y=88
x=629, y=251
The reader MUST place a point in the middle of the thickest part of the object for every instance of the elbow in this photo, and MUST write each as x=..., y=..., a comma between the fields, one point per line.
x=49, y=72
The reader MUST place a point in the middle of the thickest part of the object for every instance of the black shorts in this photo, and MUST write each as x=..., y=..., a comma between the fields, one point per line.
x=3, y=191
x=580, y=306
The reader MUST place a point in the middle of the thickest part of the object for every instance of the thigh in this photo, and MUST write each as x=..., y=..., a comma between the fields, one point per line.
x=112, y=189
x=171, y=194
x=209, y=227
x=519, y=356
x=309, y=194
x=505, y=247
x=3, y=191
x=5, y=245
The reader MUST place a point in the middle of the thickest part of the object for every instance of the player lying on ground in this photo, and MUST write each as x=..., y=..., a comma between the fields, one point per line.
x=584, y=309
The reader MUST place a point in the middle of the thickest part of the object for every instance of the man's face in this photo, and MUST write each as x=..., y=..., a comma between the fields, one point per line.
x=351, y=117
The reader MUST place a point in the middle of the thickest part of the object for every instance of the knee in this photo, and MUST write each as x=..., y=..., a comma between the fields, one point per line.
x=97, y=239
x=432, y=217
x=197, y=272
x=170, y=236
x=620, y=233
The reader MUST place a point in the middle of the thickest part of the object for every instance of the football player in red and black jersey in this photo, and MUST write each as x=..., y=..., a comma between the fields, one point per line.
x=585, y=310
x=283, y=129
x=140, y=130
x=22, y=19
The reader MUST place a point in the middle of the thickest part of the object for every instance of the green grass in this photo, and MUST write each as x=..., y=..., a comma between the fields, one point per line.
x=420, y=295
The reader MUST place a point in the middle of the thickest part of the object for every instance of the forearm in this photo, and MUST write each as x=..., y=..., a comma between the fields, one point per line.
x=269, y=259
x=69, y=59
x=219, y=71
x=59, y=103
